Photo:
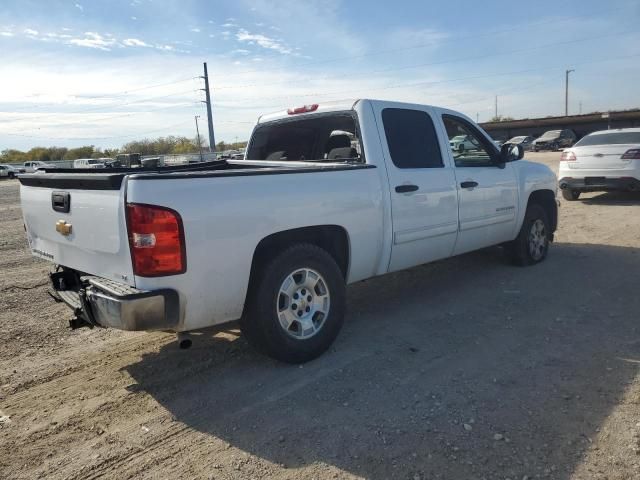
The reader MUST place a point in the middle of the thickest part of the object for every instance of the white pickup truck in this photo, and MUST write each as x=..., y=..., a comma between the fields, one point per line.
x=327, y=195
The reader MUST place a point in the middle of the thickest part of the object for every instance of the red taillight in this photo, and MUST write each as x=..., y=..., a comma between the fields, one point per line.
x=156, y=240
x=304, y=109
x=633, y=154
x=568, y=157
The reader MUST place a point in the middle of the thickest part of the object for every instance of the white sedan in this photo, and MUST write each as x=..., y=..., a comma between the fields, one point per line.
x=10, y=171
x=461, y=143
x=601, y=161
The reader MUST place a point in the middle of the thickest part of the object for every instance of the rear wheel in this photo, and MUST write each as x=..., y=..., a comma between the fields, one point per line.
x=570, y=195
x=532, y=243
x=296, y=305
x=11, y=175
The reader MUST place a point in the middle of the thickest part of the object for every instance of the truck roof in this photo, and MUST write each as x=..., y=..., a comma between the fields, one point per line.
x=332, y=106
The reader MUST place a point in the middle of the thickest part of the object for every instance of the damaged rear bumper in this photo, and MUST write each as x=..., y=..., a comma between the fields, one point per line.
x=104, y=303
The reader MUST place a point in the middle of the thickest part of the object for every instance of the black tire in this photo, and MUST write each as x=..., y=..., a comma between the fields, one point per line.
x=570, y=195
x=260, y=322
x=11, y=175
x=519, y=250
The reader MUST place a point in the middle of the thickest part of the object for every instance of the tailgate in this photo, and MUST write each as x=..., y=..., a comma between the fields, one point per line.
x=80, y=225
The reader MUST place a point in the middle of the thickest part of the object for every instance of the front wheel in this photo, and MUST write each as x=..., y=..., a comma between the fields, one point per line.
x=11, y=175
x=570, y=195
x=532, y=243
x=296, y=305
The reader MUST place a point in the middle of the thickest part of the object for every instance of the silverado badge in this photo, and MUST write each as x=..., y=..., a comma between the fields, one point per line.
x=63, y=227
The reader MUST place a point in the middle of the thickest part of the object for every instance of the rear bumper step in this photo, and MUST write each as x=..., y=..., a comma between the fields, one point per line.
x=594, y=184
x=105, y=303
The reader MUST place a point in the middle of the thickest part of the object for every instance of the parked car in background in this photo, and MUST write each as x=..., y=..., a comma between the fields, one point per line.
x=31, y=167
x=10, y=171
x=460, y=143
x=601, y=161
x=555, y=140
x=275, y=242
x=90, y=162
x=524, y=141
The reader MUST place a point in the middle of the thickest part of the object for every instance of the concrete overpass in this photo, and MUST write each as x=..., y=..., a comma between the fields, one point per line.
x=581, y=124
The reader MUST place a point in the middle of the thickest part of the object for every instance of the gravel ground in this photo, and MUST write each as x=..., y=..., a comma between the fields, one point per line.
x=463, y=369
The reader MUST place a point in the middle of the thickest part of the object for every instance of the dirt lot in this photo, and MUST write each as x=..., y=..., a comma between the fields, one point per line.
x=464, y=369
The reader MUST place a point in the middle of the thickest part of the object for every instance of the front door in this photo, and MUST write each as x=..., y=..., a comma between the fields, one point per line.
x=422, y=186
x=487, y=189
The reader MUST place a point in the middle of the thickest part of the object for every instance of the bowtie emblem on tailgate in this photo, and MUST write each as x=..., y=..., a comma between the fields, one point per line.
x=63, y=227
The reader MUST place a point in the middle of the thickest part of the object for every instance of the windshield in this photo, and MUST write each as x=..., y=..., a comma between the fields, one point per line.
x=329, y=137
x=614, y=138
x=517, y=139
x=551, y=134
x=458, y=138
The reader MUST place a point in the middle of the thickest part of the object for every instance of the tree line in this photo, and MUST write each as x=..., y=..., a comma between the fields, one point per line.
x=159, y=146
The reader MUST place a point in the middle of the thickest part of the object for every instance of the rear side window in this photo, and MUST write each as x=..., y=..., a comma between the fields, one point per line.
x=412, y=138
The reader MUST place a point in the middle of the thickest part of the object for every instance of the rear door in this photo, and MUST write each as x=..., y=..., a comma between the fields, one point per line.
x=422, y=185
x=78, y=220
x=487, y=190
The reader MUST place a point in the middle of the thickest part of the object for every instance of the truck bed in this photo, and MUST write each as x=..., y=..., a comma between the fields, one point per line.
x=111, y=179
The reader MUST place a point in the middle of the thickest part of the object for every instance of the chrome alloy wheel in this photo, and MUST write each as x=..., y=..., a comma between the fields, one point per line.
x=303, y=303
x=537, y=240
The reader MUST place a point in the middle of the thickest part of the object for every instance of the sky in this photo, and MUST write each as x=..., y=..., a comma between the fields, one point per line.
x=82, y=72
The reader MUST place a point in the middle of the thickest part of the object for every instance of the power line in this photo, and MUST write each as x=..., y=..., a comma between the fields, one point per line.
x=116, y=94
x=437, y=82
x=99, y=138
x=128, y=114
x=121, y=104
x=428, y=44
x=419, y=65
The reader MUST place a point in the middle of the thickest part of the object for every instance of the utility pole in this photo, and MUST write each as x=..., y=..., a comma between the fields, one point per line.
x=496, y=114
x=212, y=139
x=477, y=117
x=566, y=92
x=198, y=133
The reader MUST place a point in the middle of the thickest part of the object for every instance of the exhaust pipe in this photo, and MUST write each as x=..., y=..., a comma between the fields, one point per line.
x=184, y=340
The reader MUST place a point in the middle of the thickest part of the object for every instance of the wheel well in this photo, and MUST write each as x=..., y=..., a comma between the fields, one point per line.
x=332, y=238
x=547, y=200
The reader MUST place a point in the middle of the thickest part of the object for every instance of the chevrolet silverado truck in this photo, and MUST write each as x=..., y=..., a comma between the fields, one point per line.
x=327, y=195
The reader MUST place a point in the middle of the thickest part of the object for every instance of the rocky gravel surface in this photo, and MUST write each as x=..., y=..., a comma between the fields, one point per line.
x=468, y=368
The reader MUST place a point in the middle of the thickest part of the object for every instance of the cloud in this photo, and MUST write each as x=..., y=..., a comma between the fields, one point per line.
x=94, y=40
x=334, y=28
x=265, y=42
x=195, y=30
x=6, y=34
x=79, y=7
x=229, y=25
x=134, y=42
x=241, y=51
x=31, y=32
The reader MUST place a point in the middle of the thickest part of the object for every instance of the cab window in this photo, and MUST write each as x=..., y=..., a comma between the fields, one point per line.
x=469, y=147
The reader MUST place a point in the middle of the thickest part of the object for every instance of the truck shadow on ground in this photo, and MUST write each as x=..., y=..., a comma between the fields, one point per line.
x=460, y=369
x=613, y=198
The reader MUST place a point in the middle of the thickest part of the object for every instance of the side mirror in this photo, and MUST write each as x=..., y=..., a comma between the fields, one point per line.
x=510, y=153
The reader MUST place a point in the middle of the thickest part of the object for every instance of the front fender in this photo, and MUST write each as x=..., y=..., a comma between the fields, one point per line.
x=532, y=177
